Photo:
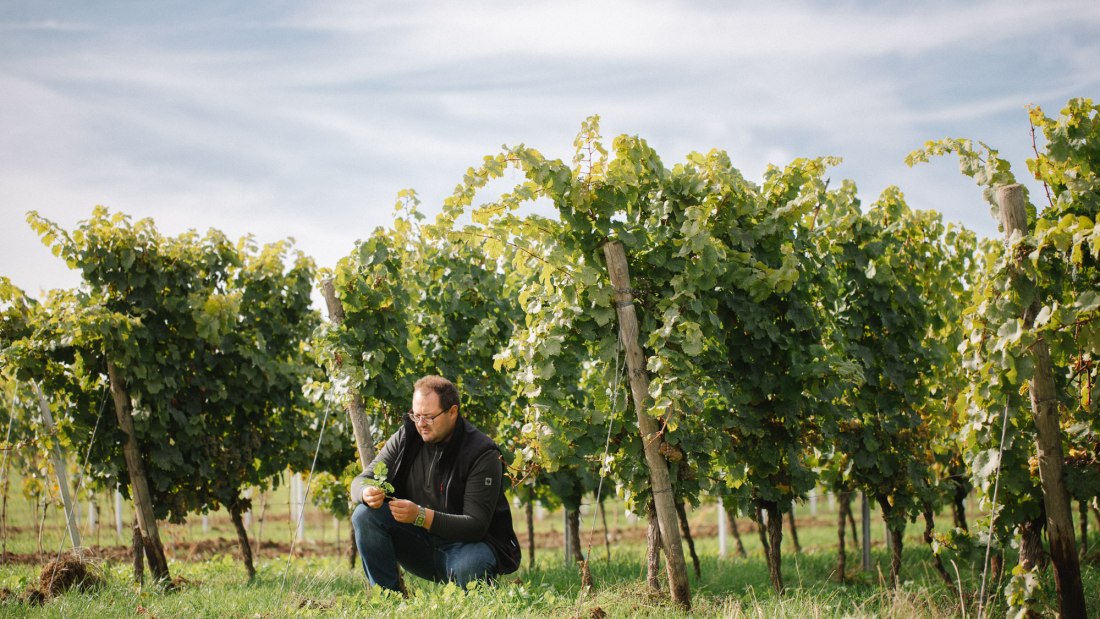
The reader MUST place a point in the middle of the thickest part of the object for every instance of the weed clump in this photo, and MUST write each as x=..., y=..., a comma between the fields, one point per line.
x=309, y=604
x=32, y=597
x=65, y=572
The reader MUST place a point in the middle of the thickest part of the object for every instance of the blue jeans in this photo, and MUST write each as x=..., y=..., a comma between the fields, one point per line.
x=383, y=543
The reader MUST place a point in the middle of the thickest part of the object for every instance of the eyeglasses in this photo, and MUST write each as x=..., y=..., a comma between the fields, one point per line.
x=424, y=419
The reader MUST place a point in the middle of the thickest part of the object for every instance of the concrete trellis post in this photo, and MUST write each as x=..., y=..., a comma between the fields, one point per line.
x=57, y=458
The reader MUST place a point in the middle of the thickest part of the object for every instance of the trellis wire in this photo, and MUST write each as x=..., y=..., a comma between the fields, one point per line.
x=993, y=510
x=83, y=468
x=616, y=385
x=4, y=475
x=301, y=510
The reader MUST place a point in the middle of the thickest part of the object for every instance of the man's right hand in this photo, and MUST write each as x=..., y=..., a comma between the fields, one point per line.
x=373, y=497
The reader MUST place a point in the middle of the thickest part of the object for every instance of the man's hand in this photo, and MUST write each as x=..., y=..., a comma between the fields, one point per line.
x=404, y=511
x=373, y=497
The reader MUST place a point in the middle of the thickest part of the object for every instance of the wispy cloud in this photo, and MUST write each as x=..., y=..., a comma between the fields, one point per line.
x=306, y=121
x=650, y=29
x=46, y=25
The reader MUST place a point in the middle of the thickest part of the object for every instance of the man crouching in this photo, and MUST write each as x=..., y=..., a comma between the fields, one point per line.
x=448, y=518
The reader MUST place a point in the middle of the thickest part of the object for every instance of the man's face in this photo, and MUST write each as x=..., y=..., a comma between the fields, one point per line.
x=435, y=424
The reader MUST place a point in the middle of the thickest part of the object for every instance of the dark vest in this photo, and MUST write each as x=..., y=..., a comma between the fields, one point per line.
x=467, y=444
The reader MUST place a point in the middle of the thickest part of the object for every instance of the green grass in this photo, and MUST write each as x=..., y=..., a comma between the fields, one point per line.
x=324, y=586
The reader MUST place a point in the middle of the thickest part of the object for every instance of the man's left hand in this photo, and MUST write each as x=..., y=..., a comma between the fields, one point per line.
x=404, y=510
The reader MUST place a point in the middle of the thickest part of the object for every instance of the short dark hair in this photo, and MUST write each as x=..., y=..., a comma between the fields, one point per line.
x=445, y=389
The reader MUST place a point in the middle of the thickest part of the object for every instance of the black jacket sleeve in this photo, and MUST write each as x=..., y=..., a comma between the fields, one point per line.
x=388, y=455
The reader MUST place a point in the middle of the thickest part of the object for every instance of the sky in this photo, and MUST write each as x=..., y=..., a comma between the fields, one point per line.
x=304, y=119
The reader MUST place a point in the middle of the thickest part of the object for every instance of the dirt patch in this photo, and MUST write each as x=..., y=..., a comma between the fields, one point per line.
x=202, y=550
x=94, y=553
x=206, y=549
x=186, y=551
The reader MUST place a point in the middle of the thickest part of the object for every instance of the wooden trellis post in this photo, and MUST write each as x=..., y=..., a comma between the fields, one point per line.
x=356, y=410
x=1048, y=442
x=660, y=483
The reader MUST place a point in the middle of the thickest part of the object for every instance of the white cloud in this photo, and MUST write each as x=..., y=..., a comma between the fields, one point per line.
x=308, y=124
x=629, y=29
x=45, y=25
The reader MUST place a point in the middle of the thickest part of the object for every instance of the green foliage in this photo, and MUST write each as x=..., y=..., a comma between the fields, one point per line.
x=1050, y=275
x=330, y=492
x=36, y=354
x=987, y=168
x=368, y=352
x=380, y=478
x=416, y=303
x=1066, y=256
x=1024, y=593
x=726, y=291
x=792, y=337
x=899, y=273
x=207, y=338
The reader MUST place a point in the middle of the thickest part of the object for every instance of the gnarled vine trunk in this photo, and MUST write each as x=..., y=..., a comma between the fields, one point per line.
x=842, y=524
x=929, y=528
x=587, y=584
x=846, y=503
x=794, y=530
x=1083, y=512
x=653, y=551
x=242, y=540
x=4, y=509
x=138, y=550
x=1032, y=553
x=852, y=525
x=895, y=540
x=844, y=517
x=996, y=572
x=685, y=532
x=731, y=516
x=775, y=539
x=573, y=534
x=958, y=505
x=606, y=531
x=761, y=529
x=531, y=534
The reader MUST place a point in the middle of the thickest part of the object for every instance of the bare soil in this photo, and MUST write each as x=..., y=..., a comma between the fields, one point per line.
x=206, y=549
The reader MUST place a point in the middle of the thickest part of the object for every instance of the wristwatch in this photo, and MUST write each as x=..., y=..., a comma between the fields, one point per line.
x=420, y=514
